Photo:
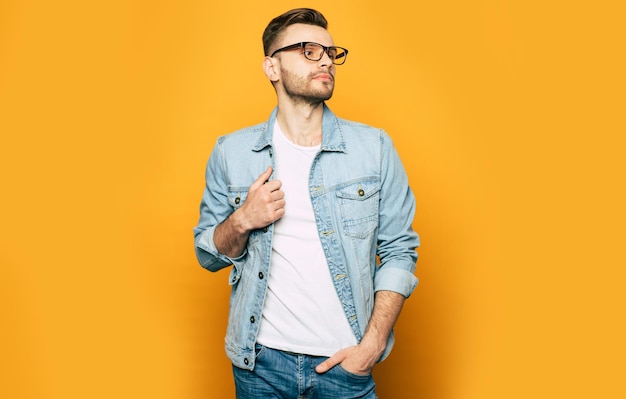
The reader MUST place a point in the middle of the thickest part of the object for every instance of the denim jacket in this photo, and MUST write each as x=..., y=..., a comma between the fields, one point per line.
x=363, y=208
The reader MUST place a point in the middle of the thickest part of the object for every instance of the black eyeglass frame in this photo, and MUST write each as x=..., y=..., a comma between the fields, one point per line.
x=302, y=45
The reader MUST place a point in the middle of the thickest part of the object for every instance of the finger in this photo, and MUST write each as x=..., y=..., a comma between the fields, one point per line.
x=276, y=194
x=279, y=213
x=273, y=186
x=263, y=177
x=329, y=363
x=279, y=204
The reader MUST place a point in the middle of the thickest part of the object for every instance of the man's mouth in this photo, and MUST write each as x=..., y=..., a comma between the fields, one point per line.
x=325, y=77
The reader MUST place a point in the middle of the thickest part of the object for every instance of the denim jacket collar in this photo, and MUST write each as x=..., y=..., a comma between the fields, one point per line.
x=332, y=138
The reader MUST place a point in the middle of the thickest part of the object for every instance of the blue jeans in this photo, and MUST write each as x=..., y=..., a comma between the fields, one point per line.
x=283, y=375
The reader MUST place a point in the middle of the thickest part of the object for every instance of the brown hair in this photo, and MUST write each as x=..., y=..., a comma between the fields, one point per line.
x=296, y=16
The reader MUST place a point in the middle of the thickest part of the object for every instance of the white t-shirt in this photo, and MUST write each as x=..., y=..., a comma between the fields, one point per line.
x=302, y=312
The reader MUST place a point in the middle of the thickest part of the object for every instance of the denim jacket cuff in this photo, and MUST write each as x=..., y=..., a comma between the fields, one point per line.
x=395, y=279
x=208, y=255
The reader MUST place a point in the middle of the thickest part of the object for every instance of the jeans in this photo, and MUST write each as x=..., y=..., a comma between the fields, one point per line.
x=283, y=375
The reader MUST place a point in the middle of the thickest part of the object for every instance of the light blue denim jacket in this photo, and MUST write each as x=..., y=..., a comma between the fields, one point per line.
x=363, y=208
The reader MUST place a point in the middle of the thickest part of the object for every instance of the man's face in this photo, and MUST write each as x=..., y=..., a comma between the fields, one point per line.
x=302, y=79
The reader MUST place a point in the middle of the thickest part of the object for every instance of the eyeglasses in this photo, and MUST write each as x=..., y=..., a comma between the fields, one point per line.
x=315, y=52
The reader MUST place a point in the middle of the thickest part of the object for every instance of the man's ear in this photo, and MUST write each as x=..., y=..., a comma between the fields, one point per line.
x=271, y=69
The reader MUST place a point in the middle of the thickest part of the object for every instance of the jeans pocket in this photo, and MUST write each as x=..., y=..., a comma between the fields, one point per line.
x=363, y=377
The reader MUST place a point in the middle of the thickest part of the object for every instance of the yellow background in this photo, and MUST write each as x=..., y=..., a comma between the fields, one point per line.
x=508, y=115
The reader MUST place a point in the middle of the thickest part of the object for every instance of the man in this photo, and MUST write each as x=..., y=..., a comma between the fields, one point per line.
x=301, y=206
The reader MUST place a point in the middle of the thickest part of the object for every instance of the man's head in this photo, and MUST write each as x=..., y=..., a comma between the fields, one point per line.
x=279, y=24
x=301, y=56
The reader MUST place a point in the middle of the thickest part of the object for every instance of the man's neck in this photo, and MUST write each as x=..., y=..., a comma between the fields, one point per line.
x=301, y=123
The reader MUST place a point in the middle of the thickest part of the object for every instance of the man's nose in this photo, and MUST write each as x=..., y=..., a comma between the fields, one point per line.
x=325, y=60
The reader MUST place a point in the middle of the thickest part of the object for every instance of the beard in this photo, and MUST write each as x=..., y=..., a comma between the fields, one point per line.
x=303, y=89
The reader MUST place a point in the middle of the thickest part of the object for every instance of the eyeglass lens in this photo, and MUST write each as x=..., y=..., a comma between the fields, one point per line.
x=315, y=52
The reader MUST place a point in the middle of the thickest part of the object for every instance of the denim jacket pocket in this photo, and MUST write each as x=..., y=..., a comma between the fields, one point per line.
x=358, y=203
x=237, y=197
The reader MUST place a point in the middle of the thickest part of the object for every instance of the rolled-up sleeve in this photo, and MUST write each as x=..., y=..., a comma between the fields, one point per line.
x=214, y=209
x=397, y=241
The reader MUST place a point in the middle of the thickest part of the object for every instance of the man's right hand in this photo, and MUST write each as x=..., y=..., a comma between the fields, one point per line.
x=264, y=204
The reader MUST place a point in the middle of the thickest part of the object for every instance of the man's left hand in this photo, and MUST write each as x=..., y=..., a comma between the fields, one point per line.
x=354, y=359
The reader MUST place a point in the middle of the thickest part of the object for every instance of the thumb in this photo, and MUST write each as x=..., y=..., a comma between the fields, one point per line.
x=263, y=177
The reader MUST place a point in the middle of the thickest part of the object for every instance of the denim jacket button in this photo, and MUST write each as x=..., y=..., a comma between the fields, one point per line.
x=246, y=361
x=237, y=200
x=261, y=275
x=361, y=192
x=252, y=319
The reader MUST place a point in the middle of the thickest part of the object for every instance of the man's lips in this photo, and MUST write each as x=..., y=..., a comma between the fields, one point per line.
x=326, y=77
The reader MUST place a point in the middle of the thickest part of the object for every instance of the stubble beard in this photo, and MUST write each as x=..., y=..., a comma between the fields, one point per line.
x=300, y=90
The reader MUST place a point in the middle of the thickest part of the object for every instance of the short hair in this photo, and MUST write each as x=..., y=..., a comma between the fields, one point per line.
x=296, y=16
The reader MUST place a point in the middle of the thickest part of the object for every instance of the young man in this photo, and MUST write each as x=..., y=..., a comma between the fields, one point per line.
x=300, y=206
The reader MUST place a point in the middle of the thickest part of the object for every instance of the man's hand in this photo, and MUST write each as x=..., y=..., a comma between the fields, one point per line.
x=264, y=205
x=361, y=359
x=355, y=359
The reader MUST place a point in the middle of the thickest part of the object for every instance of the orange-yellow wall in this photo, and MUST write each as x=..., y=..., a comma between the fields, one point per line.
x=508, y=115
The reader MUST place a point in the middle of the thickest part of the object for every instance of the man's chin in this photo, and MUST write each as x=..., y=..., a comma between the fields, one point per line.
x=314, y=97
x=326, y=95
